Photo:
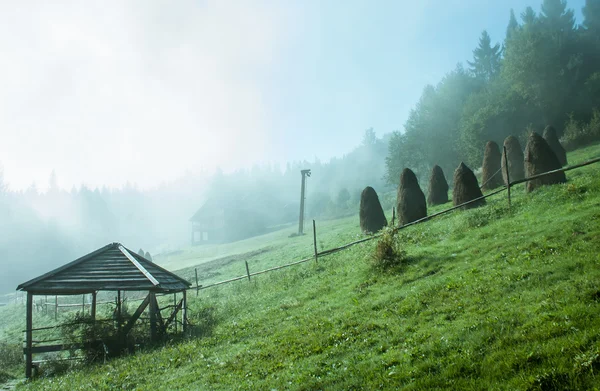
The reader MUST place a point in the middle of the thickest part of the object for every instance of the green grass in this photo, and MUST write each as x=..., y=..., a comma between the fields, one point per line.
x=489, y=298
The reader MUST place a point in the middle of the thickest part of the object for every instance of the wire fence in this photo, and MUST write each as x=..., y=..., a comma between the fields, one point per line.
x=319, y=254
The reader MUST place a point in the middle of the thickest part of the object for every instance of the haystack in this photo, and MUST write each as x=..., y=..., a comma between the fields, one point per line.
x=372, y=218
x=514, y=156
x=491, y=176
x=438, y=187
x=466, y=188
x=410, y=204
x=540, y=158
x=552, y=140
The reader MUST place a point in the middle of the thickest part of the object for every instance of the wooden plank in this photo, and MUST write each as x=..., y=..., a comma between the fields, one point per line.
x=54, y=348
x=139, y=266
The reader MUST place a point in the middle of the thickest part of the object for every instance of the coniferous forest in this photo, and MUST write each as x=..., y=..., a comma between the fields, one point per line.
x=544, y=71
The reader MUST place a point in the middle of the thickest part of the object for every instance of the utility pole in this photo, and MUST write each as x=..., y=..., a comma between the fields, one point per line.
x=305, y=173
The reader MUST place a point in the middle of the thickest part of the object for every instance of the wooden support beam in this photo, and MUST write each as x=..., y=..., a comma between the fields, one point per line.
x=93, y=310
x=153, y=311
x=184, y=312
x=28, y=336
x=136, y=315
x=159, y=318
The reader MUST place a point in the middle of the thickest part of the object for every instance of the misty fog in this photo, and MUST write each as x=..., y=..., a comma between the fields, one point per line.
x=119, y=121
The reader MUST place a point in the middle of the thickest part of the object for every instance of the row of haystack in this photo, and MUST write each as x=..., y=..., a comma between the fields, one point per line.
x=541, y=155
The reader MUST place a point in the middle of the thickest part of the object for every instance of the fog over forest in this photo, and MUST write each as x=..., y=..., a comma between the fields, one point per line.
x=119, y=121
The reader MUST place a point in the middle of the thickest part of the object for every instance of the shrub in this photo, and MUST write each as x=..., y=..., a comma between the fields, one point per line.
x=388, y=253
x=578, y=134
x=11, y=355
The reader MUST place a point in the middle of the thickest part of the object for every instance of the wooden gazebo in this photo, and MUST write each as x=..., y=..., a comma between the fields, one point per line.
x=110, y=268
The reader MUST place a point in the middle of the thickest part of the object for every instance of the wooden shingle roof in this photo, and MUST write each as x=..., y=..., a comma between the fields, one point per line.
x=110, y=268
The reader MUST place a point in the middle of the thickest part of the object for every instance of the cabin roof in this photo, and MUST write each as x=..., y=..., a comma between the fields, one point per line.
x=110, y=268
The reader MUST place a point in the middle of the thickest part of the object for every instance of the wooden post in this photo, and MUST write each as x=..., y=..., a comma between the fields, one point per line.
x=83, y=304
x=393, y=215
x=153, y=324
x=197, y=287
x=28, y=336
x=174, y=308
x=247, y=270
x=46, y=305
x=55, y=307
x=315, y=241
x=507, y=176
x=93, y=310
x=304, y=173
x=118, y=309
x=184, y=312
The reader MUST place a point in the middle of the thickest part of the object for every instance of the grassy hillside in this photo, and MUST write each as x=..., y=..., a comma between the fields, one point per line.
x=487, y=299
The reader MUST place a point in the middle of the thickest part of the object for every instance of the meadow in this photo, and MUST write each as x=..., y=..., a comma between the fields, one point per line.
x=489, y=298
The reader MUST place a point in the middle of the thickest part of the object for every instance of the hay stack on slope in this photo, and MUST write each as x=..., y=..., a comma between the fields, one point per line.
x=540, y=158
x=552, y=140
x=491, y=176
x=466, y=188
x=372, y=218
x=438, y=187
x=410, y=204
x=514, y=156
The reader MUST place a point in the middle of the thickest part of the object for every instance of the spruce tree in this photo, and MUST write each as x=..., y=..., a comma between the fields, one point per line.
x=513, y=25
x=591, y=16
x=528, y=16
x=486, y=58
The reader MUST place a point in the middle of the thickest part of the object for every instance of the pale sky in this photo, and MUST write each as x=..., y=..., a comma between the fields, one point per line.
x=105, y=92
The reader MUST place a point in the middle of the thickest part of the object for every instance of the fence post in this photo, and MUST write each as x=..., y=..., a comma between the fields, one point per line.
x=197, y=288
x=507, y=176
x=315, y=241
x=247, y=270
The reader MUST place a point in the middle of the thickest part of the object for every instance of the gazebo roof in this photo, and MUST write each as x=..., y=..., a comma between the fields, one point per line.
x=110, y=268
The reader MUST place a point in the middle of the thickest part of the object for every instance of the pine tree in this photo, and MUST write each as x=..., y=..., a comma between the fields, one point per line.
x=486, y=58
x=513, y=25
x=528, y=16
x=557, y=17
x=591, y=16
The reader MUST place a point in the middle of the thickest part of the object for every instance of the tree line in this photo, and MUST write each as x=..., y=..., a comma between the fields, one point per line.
x=546, y=71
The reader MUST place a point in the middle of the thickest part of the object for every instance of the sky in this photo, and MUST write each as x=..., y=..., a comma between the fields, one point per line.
x=109, y=92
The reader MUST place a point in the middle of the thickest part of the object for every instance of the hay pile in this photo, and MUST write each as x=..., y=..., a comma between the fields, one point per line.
x=491, y=175
x=514, y=156
x=466, y=188
x=552, y=140
x=410, y=204
x=371, y=214
x=540, y=158
x=438, y=187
